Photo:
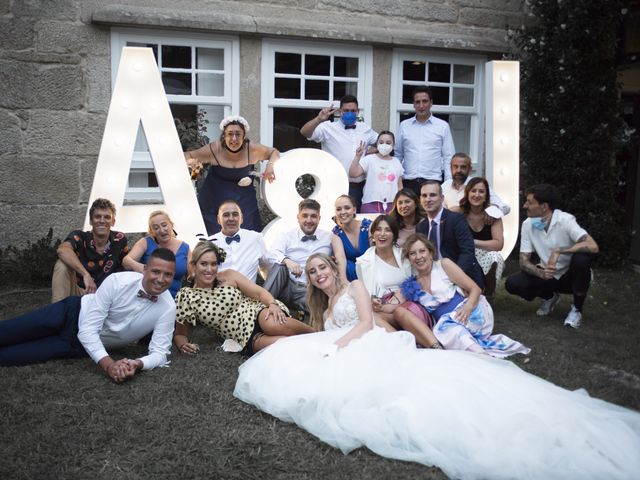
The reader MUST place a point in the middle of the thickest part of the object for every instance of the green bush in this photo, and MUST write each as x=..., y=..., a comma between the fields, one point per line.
x=571, y=123
x=31, y=265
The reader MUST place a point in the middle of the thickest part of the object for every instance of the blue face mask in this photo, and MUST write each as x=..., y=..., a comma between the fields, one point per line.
x=349, y=118
x=537, y=223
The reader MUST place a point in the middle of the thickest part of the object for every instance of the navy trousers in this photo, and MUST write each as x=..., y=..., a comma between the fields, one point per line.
x=45, y=334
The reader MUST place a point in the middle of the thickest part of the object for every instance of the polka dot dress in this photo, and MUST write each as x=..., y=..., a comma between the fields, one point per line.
x=226, y=310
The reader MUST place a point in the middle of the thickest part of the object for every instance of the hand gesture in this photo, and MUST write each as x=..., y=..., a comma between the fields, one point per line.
x=326, y=113
x=121, y=370
x=89, y=283
x=189, y=348
x=462, y=315
x=268, y=173
x=360, y=151
x=195, y=166
x=293, y=267
x=276, y=314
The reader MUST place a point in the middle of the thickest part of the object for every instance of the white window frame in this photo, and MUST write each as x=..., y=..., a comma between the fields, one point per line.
x=270, y=46
x=476, y=112
x=230, y=101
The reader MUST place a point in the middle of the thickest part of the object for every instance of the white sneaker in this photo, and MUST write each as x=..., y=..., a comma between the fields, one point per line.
x=547, y=306
x=574, y=318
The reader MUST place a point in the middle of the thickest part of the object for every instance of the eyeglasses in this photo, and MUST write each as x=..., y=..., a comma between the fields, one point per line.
x=234, y=135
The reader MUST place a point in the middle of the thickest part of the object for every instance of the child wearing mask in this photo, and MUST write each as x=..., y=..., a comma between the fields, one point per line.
x=384, y=174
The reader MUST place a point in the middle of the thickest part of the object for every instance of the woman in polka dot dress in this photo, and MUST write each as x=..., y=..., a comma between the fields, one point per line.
x=231, y=305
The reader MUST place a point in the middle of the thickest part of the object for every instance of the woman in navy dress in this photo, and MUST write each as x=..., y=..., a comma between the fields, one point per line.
x=351, y=236
x=231, y=161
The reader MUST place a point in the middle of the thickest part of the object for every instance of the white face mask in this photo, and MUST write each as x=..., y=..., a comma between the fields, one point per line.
x=384, y=148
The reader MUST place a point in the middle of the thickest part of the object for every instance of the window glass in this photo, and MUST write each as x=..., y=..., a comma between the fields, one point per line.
x=198, y=76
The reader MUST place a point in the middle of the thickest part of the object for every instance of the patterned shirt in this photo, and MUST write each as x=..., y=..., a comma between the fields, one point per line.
x=99, y=265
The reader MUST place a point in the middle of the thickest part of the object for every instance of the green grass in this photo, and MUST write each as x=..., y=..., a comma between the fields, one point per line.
x=64, y=419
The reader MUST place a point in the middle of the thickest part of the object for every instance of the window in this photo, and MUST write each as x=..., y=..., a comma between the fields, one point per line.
x=457, y=83
x=300, y=78
x=200, y=75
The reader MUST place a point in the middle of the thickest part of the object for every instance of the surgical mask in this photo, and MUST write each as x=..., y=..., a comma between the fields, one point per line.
x=537, y=223
x=384, y=148
x=349, y=118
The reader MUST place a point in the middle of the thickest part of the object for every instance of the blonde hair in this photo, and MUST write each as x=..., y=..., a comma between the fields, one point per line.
x=317, y=300
x=155, y=213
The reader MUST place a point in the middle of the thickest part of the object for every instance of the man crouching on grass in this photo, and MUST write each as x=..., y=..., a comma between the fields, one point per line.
x=126, y=307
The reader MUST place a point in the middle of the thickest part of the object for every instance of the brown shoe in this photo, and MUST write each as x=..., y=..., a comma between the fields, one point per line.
x=490, y=281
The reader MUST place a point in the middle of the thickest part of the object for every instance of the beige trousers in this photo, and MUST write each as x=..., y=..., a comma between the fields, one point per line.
x=63, y=282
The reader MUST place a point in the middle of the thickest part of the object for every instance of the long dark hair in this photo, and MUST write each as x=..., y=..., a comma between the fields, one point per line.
x=406, y=192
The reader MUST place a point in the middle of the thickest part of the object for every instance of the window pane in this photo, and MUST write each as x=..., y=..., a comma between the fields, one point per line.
x=439, y=72
x=210, y=58
x=440, y=95
x=288, y=63
x=152, y=46
x=210, y=84
x=464, y=74
x=413, y=70
x=317, y=65
x=407, y=93
x=176, y=57
x=287, y=88
x=286, y=128
x=461, y=131
x=463, y=97
x=345, y=67
x=176, y=83
x=316, y=89
x=340, y=89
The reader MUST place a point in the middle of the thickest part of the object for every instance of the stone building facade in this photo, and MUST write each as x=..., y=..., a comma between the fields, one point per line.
x=275, y=62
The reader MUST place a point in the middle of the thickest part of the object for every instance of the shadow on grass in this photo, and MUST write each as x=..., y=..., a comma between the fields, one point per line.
x=64, y=419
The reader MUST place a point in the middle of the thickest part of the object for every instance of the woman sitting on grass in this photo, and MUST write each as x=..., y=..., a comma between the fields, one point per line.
x=231, y=305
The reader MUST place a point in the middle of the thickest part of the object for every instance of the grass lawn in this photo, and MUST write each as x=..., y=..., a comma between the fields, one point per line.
x=64, y=419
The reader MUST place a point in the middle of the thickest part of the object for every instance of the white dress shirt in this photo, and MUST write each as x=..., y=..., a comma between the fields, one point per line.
x=342, y=143
x=243, y=256
x=563, y=232
x=452, y=196
x=425, y=148
x=115, y=316
x=290, y=245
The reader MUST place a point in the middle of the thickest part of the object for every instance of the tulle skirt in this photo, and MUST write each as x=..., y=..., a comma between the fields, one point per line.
x=473, y=416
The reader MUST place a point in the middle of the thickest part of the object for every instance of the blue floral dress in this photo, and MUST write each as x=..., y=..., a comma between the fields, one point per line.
x=351, y=252
x=444, y=301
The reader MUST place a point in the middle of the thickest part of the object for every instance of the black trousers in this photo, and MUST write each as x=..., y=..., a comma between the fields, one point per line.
x=575, y=281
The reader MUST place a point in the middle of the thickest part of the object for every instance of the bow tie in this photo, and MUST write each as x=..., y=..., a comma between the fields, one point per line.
x=143, y=294
x=306, y=238
x=347, y=127
x=235, y=238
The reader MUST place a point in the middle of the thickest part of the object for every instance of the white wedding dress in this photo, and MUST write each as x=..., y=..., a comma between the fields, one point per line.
x=473, y=416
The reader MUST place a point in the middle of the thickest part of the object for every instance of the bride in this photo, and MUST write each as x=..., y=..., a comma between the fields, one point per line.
x=473, y=416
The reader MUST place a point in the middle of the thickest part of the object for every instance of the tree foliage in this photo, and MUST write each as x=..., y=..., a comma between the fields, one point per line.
x=571, y=123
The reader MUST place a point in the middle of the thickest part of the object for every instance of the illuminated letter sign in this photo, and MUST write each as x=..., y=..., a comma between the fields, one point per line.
x=282, y=197
x=139, y=97
x=503, y=141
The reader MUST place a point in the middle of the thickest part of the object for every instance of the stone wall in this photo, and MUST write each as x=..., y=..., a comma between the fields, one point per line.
x=55, y=76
